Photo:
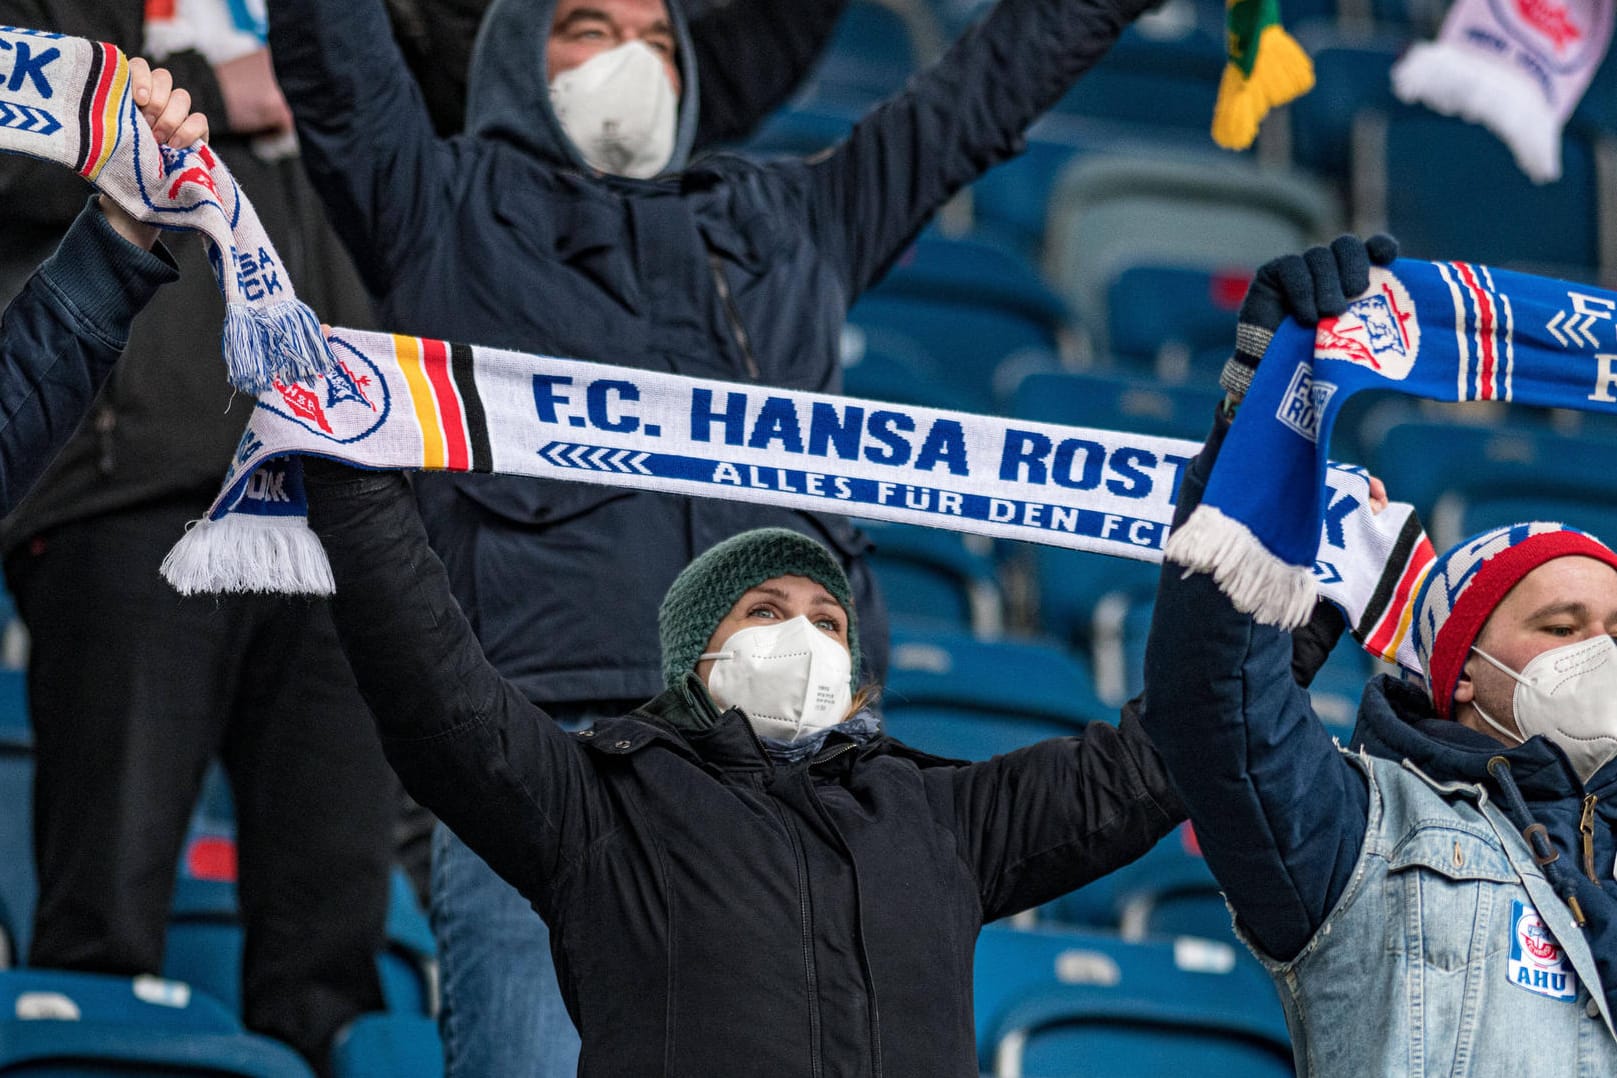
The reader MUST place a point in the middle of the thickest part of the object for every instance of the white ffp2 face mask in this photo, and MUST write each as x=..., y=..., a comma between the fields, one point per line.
x=620, y=110
x=790, y=678
x=1569, y=695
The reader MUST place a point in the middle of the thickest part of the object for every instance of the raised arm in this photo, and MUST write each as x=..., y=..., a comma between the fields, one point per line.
x=365, y=134
x=964, y=114
x=1279, y=812
x=468, y=746
x=1038, y=822
x=60, y=337
x=752, y=54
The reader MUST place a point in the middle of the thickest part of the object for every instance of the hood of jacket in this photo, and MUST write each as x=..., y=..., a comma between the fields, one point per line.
x=508, y=88
x=1396, y=722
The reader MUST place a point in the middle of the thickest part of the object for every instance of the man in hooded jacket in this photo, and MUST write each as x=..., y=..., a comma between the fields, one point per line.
x=1443, y=898
x=588, y=231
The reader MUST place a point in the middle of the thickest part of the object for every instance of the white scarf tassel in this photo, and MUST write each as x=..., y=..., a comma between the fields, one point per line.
x=1257, y=582
x=241, y=553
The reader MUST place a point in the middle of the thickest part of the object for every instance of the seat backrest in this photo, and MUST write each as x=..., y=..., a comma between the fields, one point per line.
x=389, y=1046
x=1414, y=164
x=1004, y=677
x=934, y=578
x=1350, y=76
x=1117, y=402
x=1111, y=212
x=1041, y=995
x=1152, y=310
x=1421, y=461
x=78, y=1025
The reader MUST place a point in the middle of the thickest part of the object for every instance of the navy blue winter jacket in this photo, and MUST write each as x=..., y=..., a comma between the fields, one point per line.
x=725, y=267
x=1281, y=814
x=60, y=337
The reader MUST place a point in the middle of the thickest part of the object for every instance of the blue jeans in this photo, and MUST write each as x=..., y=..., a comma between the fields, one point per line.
x=501, y=1014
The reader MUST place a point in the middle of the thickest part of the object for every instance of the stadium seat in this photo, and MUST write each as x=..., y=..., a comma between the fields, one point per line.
x=17, y=887
x=801, y=129
x=1081, y=596
x=388, y=1046
x=1061, y=1002
x=1411, y=163
x=81, y=1025
x=951, y=694
x=877, y=45
x=1117, y=402
x=968, y=304
x=1175, y=322
x=1158, y=76
x=1463, y=514
x=936, y=579
x=204, y=943
x=1422, y=461
x=1108, y=213
x=882, y=363
x=1350, y=76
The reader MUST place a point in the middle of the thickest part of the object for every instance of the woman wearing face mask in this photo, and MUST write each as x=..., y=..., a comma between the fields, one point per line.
x=743, y=875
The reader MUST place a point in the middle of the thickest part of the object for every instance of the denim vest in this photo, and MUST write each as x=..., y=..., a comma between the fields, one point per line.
x=1415, y=971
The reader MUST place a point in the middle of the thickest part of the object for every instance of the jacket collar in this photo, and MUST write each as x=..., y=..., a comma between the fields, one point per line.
x=1396, y=722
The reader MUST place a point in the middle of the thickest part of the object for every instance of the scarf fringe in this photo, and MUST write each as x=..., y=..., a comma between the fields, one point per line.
x=1460, y=82
x=1257, y=582
x=275, y=342
x=1282, y=73
x=249, y=554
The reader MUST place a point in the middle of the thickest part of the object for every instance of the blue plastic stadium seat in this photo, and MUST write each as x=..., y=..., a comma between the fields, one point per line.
x=389, y=1046
x=1117, y=402
x=1110, y=212
x=205, y=935
x=1169, y=320
x=1168, y=892
x=883, y=363
x=17, y=886
x=935, y=579
x=1059, y=1002
x=954, y=695
x=81, y=1025
x=875, y=48
x=1164, y=81
x=1350, y=76
x=1426, y=158
x=1082, y=595
x=802, y=129
x=968, y=304
x=1420, y=462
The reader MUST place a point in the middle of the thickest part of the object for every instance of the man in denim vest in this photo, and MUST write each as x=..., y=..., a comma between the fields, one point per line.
x=1443, y=899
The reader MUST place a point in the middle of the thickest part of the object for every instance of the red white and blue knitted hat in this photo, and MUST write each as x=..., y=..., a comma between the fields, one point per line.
x=1470, y=579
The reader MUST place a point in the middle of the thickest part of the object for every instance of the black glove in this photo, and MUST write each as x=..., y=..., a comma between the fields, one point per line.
x=1315, y=284
x=1312, y=644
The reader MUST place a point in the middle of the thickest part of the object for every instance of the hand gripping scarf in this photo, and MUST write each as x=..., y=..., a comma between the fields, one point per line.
x=68, y=100
x=1449, y=331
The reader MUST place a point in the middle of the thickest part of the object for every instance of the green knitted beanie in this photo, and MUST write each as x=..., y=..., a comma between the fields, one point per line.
x=710, y=586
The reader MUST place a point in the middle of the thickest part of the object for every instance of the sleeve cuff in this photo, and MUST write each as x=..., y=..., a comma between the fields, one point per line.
x=107, y=279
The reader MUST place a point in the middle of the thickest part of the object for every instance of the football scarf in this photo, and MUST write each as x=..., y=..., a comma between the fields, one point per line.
x=1518, y=69
x=1265, y=69
x=1443, y=330
x=408, y=403
x=68, y=100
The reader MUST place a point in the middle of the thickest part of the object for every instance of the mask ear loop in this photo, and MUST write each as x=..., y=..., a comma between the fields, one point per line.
x=1487, y=718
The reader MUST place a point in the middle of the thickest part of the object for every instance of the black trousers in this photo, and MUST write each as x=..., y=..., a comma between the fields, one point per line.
x=133, y=689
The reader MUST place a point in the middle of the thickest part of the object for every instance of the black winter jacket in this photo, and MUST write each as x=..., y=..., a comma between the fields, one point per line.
x=713, y=912
x=723, y=268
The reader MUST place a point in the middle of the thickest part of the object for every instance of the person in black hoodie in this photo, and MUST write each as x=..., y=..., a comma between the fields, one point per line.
x=1442, y=896
x=572, y=219
x=743, y=875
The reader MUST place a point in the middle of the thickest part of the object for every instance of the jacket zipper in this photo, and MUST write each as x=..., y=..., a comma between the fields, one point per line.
x=732, y=314
x=1586, y=827
x=808, y=938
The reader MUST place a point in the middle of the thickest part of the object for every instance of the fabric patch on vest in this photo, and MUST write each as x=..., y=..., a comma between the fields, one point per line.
x=1537, y=962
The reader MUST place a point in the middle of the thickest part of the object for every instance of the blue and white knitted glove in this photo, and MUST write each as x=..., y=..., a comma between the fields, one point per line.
x=1316, y=284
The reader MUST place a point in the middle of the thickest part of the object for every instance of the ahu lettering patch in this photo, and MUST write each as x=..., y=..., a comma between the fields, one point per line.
x=1537, y=962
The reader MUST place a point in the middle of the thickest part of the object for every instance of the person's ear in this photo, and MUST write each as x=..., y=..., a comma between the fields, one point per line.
x=1464, y=690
